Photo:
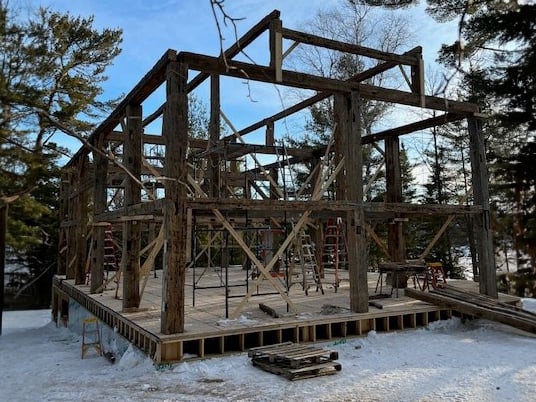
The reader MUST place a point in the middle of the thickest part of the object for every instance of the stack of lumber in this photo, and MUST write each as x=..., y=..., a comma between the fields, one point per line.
x=295, y=361
x=478, y=305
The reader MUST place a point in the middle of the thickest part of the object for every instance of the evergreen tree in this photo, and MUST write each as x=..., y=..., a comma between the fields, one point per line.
x=496, y=57
x=51, y=71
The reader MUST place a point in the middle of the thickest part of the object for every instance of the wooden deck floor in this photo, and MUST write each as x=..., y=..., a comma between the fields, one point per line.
x=208, y=331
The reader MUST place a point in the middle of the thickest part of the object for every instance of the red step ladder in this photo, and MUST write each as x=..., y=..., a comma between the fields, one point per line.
x=435, y=276
x=334, y=255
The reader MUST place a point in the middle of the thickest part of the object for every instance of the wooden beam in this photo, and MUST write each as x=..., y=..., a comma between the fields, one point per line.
x=245, y=205
x=396, y=241
x=412, y=127
x=290, y=49
x=364, y=75
x=307, y=81
x=484, y=234
x=373, y=138
x=246, y=39
x=381, y=208
x=99, y=206
x=437, y=236
x=417, y=79
x=276, y=49
x=498, y=313
x=144, y=208
x=175, y=130
x=213, y=166
x=315, y=40
x=148, y=264
x=256, y=31
x=377, y=239
x=349, y=127
x=131, y=228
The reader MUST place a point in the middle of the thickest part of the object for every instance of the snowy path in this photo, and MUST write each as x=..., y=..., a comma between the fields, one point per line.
x=448, y=361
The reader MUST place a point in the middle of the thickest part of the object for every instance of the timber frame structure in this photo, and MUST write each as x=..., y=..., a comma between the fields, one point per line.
x=160, y=202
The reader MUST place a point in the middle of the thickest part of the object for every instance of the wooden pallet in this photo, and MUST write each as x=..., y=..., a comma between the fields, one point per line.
x=295, y=361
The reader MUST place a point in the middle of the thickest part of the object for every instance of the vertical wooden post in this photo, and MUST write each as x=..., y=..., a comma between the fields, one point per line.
x=395, y=240
x=349, y=127
x=175, y=131
x=417, y=77
x=339, y=145
x=214, y=135
x=270, y=134
x=276, y=49
x=100, y=199
x=81, y=222
x=131, y=229
x=484, y=235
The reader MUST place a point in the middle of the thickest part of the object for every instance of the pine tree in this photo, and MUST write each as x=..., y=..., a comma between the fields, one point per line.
x=51, y=73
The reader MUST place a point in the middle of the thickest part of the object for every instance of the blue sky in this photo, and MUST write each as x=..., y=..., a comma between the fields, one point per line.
x=150, y=27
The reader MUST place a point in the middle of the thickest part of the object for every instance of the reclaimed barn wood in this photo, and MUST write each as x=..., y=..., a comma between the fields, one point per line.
x=485, y=251
x=99, y=206
x=225, y=201
x=478, y=306
x=175, y=130
x=131, y=229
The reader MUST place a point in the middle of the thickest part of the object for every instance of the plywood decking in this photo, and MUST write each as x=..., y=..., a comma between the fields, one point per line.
x=208, y=332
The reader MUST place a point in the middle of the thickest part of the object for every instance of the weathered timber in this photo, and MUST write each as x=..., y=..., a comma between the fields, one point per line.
x=349, y=128
x=470, y=307
x=412, y=127
x=131, y=229
x=396, y=241
x=231, y=52
x=308, y=81
x=233, y=150
x=237, y=150
x=175, y=130
x=144, y=208
x=99, y=206
x=315, y=40
x=380, y=68
x=311, y=371
x=366, y=139
x=379, y=208
x=479, y=170
x=263, y=205
x=268, y=310
x=295, y=361
x=276, y=49
x=239, y=45
x=213, y=165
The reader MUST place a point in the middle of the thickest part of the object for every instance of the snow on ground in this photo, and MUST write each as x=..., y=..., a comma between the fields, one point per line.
x=447, y=361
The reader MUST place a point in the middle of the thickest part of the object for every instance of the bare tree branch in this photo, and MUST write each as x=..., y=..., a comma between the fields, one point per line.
x=110, y=156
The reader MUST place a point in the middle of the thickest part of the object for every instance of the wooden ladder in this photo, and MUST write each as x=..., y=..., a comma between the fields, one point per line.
x=91, y=336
